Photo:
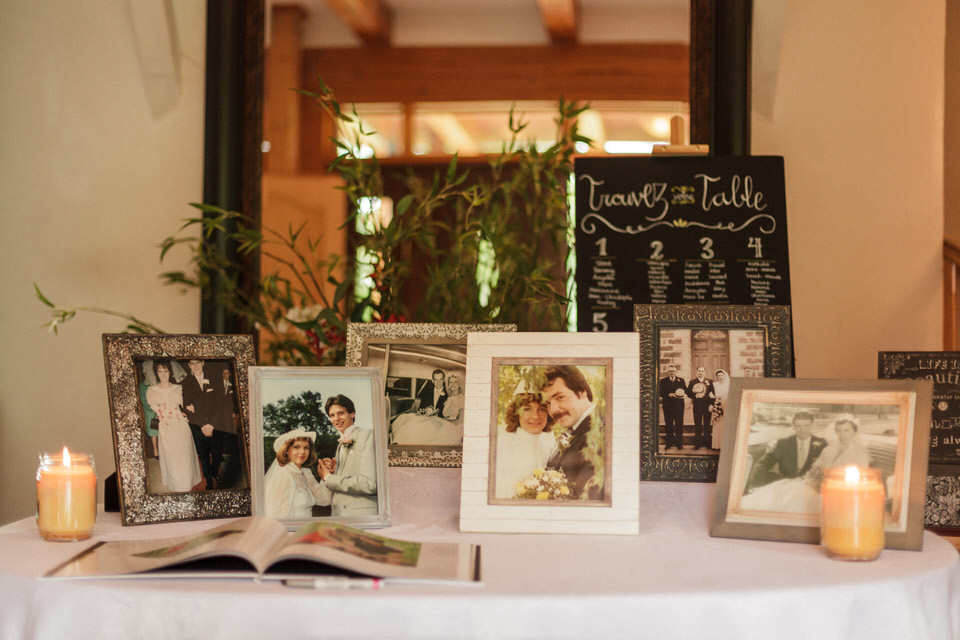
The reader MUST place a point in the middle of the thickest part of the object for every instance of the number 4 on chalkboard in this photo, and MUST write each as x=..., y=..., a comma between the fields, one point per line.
x=754, y=243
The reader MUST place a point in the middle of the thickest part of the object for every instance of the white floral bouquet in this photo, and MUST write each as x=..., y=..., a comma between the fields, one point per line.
x=544, y=484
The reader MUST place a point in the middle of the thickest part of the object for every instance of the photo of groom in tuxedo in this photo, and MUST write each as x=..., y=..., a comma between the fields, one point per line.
x=202, y=401
x=432, y=395
x=701, y=394
x=350, y=478
x=789, y=457
x=570, y=403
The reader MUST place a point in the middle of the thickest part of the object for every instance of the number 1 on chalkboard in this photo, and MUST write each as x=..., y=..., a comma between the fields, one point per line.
x=602, y=246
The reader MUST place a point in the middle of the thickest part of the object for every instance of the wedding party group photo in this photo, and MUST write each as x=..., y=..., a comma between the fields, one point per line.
x=696, y=365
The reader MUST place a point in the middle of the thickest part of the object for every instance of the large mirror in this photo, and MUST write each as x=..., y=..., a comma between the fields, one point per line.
x=718, y=57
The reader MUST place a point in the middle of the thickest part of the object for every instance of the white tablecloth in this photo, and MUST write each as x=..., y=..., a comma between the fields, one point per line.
x=671, y=581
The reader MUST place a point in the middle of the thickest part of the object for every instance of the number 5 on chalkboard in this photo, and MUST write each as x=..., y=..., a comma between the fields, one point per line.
x=599, y=322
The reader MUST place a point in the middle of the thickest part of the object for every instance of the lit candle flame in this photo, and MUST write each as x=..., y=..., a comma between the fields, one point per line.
x=66, y=457
x=851, y=474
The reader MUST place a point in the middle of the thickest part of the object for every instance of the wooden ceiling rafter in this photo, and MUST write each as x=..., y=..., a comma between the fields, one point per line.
x=561, y=18
x=370, y=20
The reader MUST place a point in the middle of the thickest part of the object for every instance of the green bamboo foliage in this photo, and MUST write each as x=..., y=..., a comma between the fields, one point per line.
x=490, y=249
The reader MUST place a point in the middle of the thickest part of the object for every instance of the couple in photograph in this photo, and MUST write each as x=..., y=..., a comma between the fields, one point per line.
x=787, y=476
x=548, y=430
x=436, y=416
x=348, y=481
x=195, y=424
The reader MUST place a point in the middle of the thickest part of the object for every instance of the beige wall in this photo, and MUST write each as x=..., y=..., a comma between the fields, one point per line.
x=858, y=117
x=951, y=137
x=91, y=181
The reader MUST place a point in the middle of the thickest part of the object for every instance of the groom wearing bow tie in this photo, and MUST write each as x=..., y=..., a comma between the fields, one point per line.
x=351, y=477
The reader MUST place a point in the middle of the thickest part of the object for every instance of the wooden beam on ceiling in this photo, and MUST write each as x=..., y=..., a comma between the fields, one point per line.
x=441, y=74
x=560, y=19
x=409, y=75
x=370, y=20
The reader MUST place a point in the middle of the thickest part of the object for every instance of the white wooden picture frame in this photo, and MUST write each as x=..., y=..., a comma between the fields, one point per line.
x=505, y=366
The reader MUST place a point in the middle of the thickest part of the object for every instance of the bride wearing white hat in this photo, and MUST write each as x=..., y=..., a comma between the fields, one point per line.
x=290, y=488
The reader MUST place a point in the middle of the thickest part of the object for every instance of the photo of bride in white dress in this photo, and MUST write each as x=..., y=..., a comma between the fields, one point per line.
x=524, y=443
x=179, y=465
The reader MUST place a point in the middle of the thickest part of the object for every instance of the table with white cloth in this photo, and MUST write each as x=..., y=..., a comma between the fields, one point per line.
x=671, y=581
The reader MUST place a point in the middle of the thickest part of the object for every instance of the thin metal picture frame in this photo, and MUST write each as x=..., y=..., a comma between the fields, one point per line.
x=312, y=387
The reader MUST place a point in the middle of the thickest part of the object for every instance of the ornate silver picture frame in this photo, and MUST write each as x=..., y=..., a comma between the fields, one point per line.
x=424, y=369
x=178, y=407
x=688, y=355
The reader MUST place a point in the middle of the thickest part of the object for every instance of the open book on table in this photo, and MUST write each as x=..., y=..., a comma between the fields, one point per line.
x=262, y=548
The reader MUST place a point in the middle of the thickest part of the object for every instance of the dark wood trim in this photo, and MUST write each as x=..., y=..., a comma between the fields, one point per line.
x=730, y=95
x=576, y=72
x=701, y=69
x=233, y=131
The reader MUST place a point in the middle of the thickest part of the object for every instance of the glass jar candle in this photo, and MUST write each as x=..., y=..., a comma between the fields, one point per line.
x=852, y=513
x=66, y=496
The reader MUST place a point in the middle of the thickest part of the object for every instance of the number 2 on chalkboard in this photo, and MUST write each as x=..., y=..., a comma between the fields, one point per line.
x=657, y=250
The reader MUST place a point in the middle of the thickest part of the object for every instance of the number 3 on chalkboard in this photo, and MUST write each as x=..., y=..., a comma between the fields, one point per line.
x=599, y=323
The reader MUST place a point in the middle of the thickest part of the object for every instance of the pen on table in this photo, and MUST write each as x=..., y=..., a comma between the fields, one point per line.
x=335, y=582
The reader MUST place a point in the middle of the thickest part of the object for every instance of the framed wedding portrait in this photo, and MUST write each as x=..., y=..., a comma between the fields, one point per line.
x=178, y=406
x=689, y=354
x=550, y=437
x=423, y=366
x=784, y=434
x=319, y=447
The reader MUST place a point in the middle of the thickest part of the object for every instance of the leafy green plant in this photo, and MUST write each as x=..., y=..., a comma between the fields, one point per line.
x=490, y=248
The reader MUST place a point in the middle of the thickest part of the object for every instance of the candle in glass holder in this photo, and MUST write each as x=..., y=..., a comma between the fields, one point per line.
x=66, y=496
x=852, y=513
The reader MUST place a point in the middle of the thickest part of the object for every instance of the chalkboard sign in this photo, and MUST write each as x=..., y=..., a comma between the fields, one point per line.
x=678, y=230
x=942, y=508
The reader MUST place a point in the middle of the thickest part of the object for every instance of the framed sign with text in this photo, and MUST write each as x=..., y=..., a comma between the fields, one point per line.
x=678, y=230
x=942, y=510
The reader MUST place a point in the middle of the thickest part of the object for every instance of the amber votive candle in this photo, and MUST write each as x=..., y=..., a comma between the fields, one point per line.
x=852, y=513
x=66, y=496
